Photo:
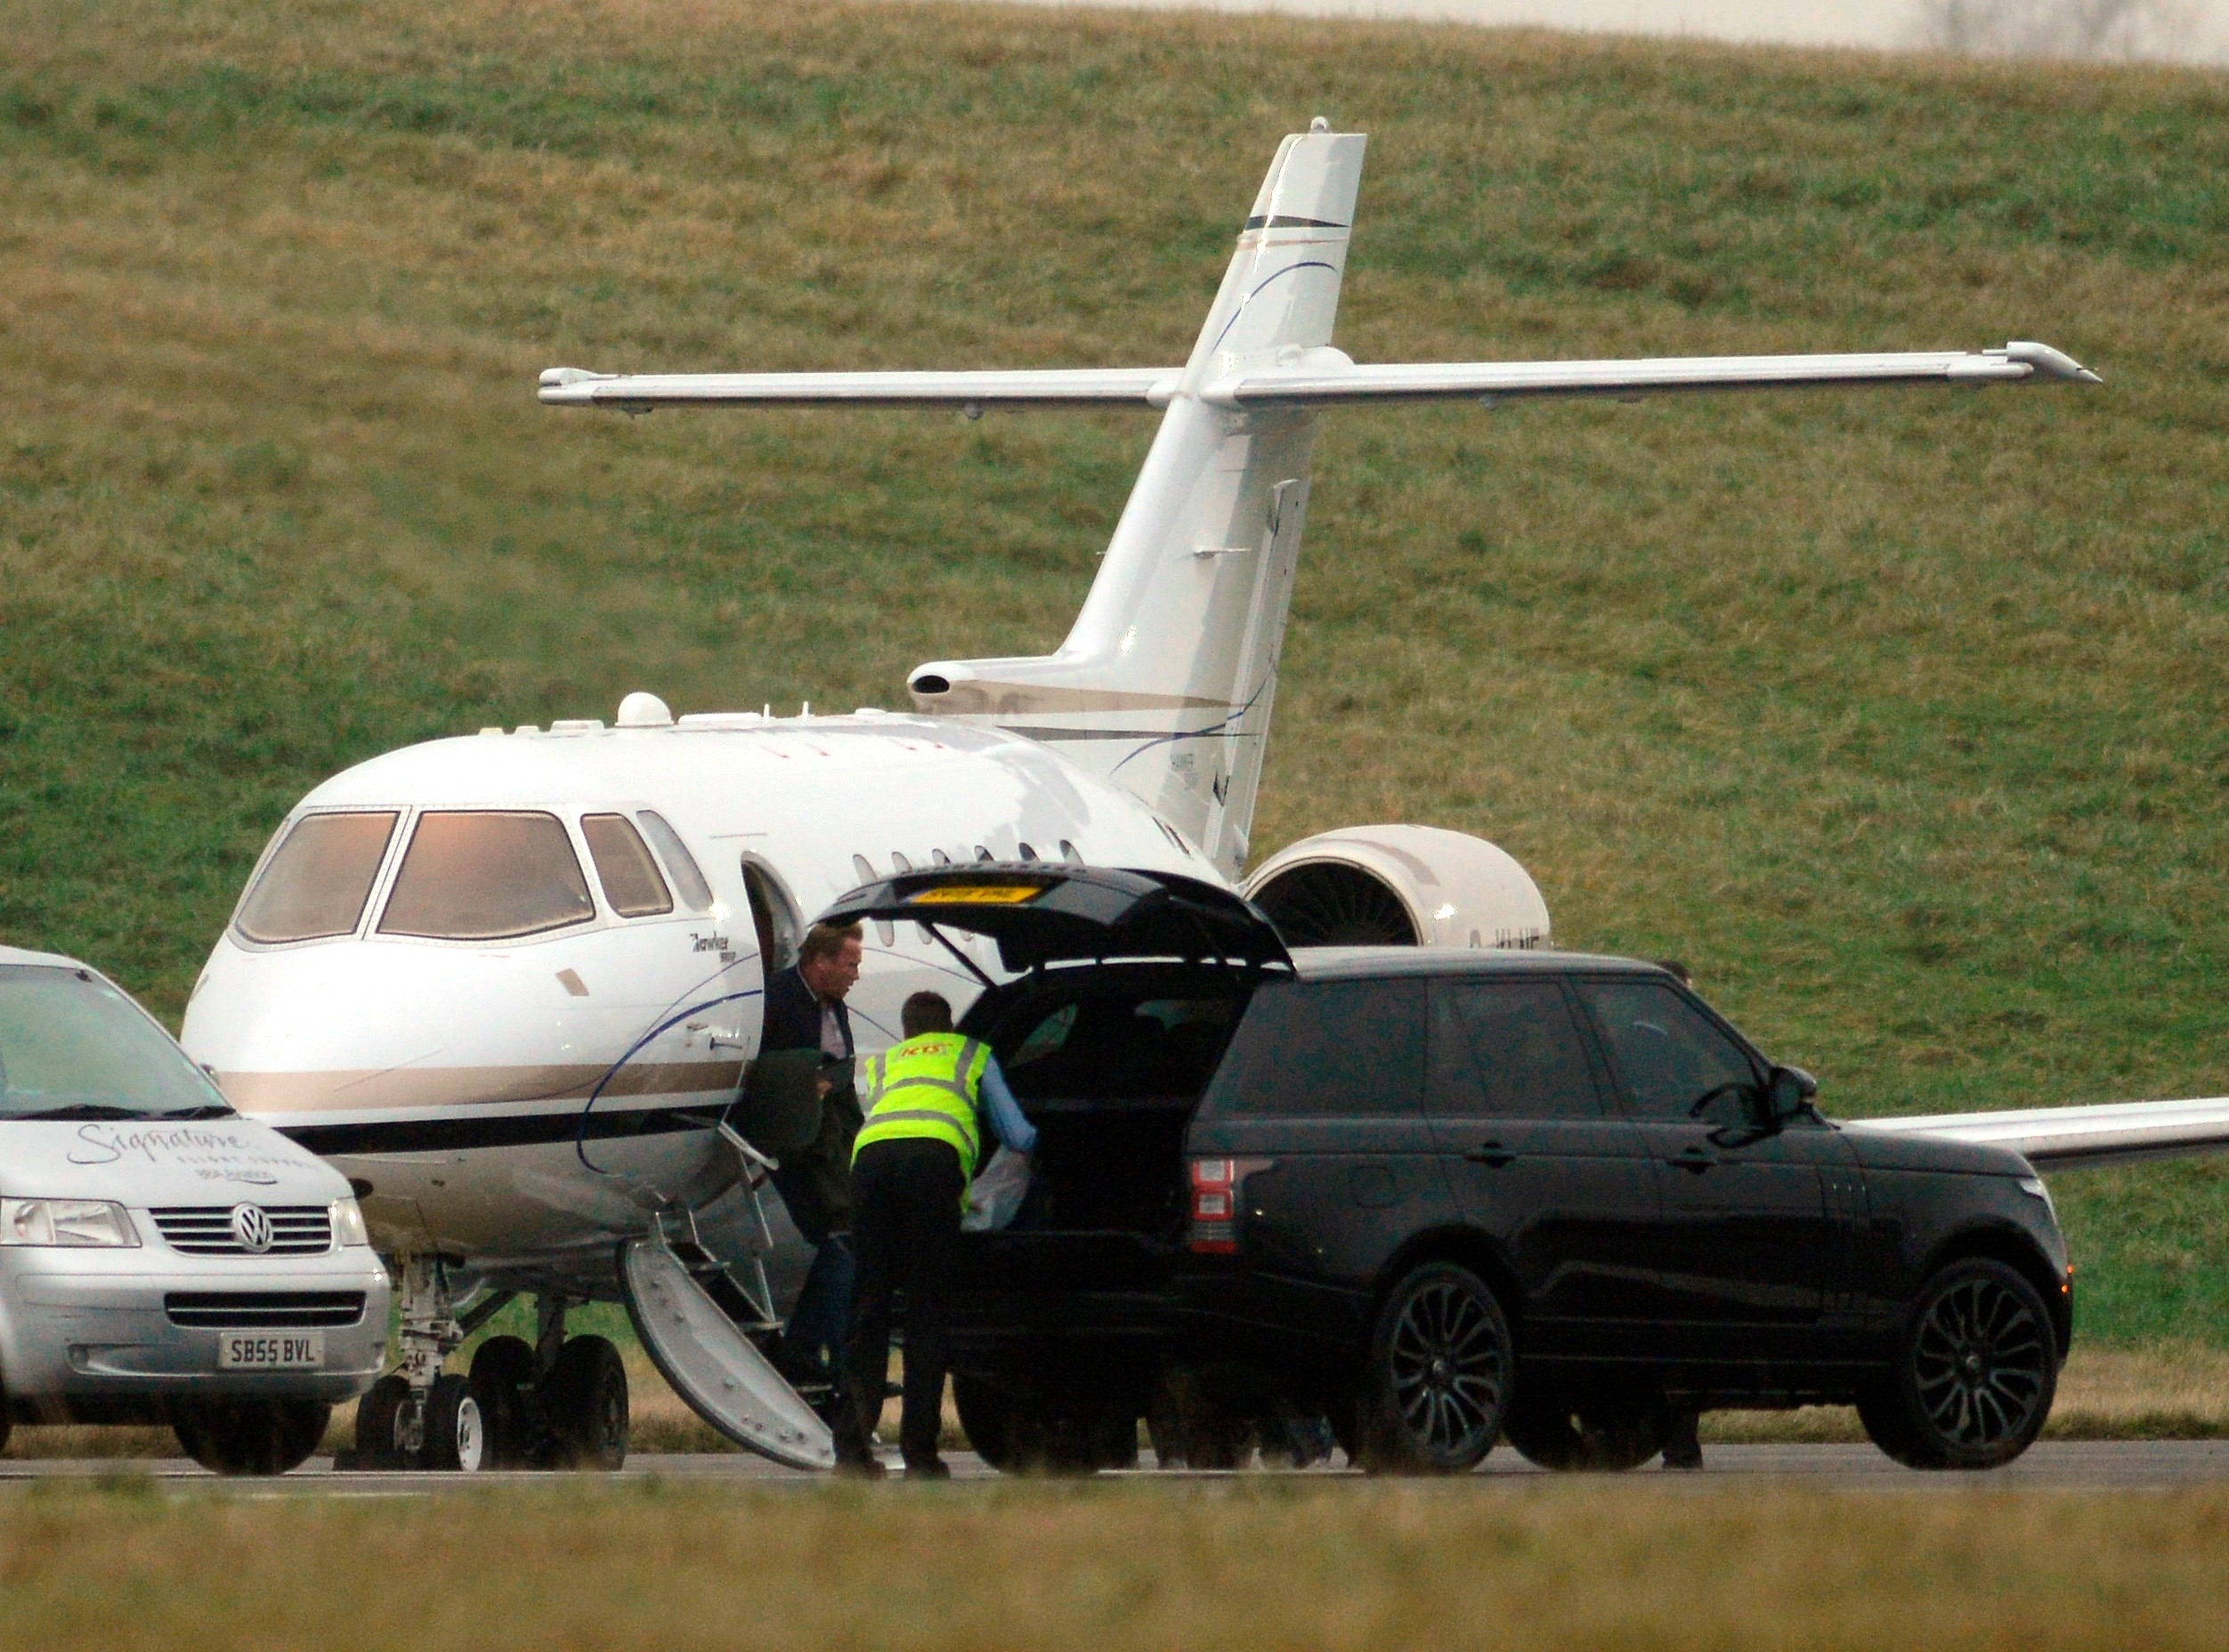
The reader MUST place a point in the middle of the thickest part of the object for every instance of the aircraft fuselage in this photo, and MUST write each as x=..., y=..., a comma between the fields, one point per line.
x=452, y=1076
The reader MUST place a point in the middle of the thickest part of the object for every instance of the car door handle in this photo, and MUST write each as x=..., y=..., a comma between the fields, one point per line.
x=1695, y=1160
x=1490, y=1154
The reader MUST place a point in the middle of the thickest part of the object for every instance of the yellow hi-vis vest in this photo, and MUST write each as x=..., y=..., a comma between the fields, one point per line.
x=927, y=1087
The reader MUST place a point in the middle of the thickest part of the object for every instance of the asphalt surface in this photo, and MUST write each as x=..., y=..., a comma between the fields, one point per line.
x=2132, y=1465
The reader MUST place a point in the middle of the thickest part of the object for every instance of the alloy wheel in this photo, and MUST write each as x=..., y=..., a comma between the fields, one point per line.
x=1449, y=1368
x=1981, y=1363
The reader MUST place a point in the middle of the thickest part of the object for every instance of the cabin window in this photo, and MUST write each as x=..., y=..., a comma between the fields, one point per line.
x=631, y=883
x=487, y=875
x=681, y=866
x=316, y=885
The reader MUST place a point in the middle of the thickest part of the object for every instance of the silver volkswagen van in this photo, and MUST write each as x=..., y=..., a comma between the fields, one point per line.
x=162, y=1258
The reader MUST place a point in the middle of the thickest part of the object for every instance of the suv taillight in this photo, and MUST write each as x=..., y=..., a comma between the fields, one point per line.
x=1214, y=1204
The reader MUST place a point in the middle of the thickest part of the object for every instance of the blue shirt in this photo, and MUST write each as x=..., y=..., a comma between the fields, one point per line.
x=1006, y=1114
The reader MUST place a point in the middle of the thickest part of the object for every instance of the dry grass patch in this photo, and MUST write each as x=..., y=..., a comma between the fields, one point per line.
x=1259, y=1565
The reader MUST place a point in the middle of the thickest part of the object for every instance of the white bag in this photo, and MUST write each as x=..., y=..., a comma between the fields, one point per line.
x=996, y=1194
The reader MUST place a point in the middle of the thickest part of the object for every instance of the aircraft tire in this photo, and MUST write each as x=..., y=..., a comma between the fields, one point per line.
x=1977, y=1370
x=456, y=1434
x=377, y=1414
x=1436, y=1386
x=236, y=1436
x=502, y=1383
x=584, y=1401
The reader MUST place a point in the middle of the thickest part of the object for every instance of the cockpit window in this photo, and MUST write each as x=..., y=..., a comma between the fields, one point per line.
x=630, y=879
x=486, y=875
x=681, y=866
x=316, y=883
x=72, y=1047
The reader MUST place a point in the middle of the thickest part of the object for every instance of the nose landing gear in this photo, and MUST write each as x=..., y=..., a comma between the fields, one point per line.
x=559, y=1403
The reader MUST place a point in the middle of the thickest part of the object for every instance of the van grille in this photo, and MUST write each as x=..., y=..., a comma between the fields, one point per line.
x=206, y=1229
x=262, y=1310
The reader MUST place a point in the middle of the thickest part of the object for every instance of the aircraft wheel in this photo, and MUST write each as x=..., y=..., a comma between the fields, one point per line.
x=1607, y=1435
x=379, y=1422
x=1436, y=1383
x=502, y=1383
x=584, y=1401
x=456, y=1439
x=239, y=1436
x=1976, y=1375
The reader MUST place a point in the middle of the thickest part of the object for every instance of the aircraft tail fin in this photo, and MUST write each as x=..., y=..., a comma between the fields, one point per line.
x=1166, y=682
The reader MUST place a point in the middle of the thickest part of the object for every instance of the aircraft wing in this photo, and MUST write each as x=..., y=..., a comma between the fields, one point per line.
x=1069, y=387
x=1333, y=383
x=2073, y=1138
x=1328, y=380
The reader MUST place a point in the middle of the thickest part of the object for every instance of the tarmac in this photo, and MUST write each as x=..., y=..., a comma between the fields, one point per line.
x=2104, y=1465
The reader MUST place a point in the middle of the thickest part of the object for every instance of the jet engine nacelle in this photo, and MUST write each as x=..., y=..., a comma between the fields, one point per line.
x=1399, y=886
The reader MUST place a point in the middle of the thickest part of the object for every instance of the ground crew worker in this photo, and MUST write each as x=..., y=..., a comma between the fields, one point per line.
x=926, y=1101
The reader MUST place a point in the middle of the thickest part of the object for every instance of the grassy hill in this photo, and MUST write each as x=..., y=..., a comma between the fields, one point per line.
x=1899, y=716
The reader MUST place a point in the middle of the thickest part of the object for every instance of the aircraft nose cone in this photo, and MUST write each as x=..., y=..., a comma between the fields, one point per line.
x=347, y=1026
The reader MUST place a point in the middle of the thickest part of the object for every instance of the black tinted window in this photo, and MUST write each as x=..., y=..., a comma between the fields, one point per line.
x=1328, y=1049
x=1507, y=1050
x=1675, y=1063
x=1109, y=1047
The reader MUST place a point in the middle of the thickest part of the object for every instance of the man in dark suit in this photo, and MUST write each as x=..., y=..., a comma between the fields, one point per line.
x=805, y=1011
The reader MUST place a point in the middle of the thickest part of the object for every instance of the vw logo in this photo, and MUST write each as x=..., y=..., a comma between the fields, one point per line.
x=251, y=1226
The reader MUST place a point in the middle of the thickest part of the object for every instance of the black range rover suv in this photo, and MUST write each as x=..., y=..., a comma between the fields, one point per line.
x=1436, y=1199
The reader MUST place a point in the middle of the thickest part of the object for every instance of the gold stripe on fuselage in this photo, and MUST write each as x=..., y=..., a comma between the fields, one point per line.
x=374, y=1089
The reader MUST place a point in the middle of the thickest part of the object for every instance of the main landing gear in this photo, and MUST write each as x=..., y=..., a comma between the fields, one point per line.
x=559, y=1402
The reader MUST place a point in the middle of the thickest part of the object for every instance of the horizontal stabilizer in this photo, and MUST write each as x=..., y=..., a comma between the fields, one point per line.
x=1333, y=383
x=1326, y=380
x=2071, y=1138
x=1064, y=387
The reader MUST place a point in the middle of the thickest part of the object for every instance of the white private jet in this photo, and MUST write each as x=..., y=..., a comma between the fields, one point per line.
x=507, y=982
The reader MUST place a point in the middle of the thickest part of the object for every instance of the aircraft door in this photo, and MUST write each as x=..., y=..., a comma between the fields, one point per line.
x=773, y=917
x=1541, y=1162
x=776, y=929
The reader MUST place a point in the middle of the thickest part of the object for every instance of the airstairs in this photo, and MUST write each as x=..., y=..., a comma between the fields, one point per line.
x=701, y=1325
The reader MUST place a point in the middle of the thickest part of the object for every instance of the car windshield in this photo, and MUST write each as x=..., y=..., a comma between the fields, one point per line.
x=72, y=1047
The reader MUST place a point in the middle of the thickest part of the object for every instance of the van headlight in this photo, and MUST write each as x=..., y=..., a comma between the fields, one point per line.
x=348, y=1223
x=65, y=1222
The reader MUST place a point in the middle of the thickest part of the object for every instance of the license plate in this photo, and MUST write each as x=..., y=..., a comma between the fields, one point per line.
x=270, y=1350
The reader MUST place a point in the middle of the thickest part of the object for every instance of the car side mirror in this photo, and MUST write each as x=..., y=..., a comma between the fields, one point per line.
x=1788, y=1092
